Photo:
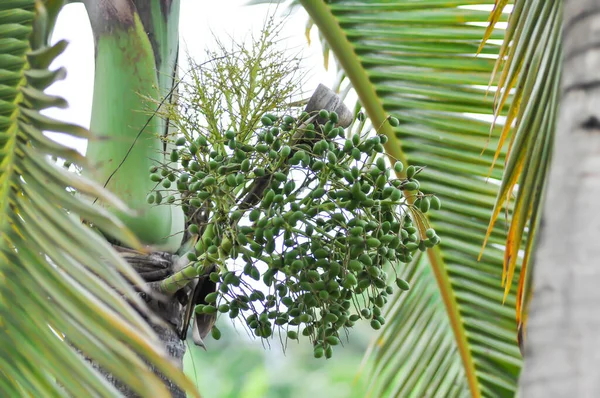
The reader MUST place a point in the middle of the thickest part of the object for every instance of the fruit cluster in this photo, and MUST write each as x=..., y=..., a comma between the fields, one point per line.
x=315, y=215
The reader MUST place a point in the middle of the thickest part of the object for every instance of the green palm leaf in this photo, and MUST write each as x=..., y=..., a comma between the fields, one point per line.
x=60, y=283
x=450, y=335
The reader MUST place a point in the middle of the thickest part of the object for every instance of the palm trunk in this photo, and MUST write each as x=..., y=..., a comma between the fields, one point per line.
x=176, y=350
x=153, y=268
x=562, y=346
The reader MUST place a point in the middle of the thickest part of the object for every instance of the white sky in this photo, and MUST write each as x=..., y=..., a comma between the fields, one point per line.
x=199, y=22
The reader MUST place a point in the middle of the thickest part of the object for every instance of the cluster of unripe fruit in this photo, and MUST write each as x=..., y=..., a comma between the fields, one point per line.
x=317, y=216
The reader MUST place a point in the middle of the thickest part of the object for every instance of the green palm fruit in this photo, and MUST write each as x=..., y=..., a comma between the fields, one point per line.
x=355, y=265
x=424, y=206
x=436, y=203
x=319, y=351
x=411, y=186
x=375, y=324
x=223, y=308
x=402, y=284
x=209, y=309
x=373, y=242
x=266, y=121
x=398, y=167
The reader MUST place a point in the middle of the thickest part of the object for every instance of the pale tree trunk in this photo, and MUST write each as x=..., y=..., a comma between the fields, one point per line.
x=562, y=349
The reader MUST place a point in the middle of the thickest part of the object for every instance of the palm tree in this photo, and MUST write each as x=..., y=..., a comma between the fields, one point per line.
x=450, y=336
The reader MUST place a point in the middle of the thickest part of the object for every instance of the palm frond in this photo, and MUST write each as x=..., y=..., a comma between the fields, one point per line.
x=450, y=335
x=530, y=62
x=63, y=289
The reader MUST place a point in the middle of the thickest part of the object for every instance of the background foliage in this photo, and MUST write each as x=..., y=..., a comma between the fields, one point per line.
x=237, y=367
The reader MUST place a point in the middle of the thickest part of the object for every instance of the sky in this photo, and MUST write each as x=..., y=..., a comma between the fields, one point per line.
x=200, y=22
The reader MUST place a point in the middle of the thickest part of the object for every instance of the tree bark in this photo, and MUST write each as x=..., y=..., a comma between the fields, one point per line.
x=153, y=268
x=562, y=348
x=174, y=347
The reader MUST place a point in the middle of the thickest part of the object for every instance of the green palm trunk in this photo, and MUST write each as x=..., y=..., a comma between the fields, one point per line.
x=136, y=56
